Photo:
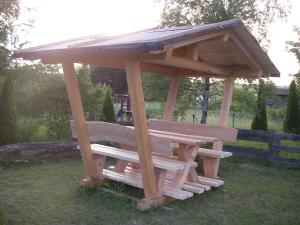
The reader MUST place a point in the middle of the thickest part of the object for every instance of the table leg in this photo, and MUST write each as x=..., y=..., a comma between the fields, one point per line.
x=188, y=155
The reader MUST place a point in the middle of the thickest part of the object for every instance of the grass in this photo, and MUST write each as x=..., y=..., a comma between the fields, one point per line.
x=47, y=192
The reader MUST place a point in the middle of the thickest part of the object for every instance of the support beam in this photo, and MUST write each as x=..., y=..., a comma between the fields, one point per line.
x=185, y=63
x=223, y=120
x=171, y=99
x=80, y=123
x=133, y=74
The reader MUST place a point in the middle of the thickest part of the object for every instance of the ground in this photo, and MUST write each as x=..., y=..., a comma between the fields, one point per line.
x=46, y=192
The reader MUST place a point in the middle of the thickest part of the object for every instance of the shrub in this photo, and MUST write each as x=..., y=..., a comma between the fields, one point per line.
x=8, y=121
x=26, y=127
x=260, y=118
x=291, y=122
x=108, y=112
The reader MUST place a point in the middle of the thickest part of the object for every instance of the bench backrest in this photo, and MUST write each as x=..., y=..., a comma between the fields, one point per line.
x=102, y=131
x=223, y=133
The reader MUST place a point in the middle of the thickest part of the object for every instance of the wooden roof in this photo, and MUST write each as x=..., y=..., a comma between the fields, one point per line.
x=217, y=50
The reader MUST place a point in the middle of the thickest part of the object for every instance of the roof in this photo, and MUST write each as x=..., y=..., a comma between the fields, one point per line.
x=240, y=52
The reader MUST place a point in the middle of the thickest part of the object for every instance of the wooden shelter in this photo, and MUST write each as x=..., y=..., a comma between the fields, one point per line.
x=146, y=160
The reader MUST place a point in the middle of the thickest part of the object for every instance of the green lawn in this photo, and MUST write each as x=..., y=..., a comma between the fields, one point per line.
x=47, y=192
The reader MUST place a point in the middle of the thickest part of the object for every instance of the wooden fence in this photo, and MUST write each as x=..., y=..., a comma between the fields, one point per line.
x=275, y=148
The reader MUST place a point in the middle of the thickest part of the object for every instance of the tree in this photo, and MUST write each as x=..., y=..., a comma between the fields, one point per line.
x=291, y=122
x=243, y=100
x=8, y=119
x=294, y=47
x=256, y=14
x=108, y=113
x=115, y=78
x=9, y=12
x=260, y=117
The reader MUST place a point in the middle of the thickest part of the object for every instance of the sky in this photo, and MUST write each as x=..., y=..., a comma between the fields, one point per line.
x=56, y=20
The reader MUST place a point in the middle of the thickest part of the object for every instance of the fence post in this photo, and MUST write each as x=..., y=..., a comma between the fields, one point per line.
x=273, y=151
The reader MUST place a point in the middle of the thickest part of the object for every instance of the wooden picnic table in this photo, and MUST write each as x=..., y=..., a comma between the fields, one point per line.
x=189, y=146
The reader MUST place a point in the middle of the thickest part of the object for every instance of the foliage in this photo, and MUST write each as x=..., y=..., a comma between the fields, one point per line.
x=42, y=101
x=7, y=113
x=294, y=47
x=243, y=100
x=91, y=94
x=9, y=12
x=260, y=117
x=108, y=113
x=115, y=78
x=26, y=128
x=291, y=122
x=155, y=87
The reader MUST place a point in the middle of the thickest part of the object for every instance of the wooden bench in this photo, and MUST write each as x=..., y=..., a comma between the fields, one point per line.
x=163, y=161
x=212, y=133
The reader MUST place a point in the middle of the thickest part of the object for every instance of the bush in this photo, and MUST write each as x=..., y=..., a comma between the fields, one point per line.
x=8, y=123
x=291, y=122
x=260, y=118
x=108, y=112
x=26, y=128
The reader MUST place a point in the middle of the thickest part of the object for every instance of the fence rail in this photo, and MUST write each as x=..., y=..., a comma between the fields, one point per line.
x=275, y=147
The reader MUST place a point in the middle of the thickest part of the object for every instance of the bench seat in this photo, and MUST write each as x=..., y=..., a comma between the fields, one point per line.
x=131, y=156
x=136, y=181
x=213, y=153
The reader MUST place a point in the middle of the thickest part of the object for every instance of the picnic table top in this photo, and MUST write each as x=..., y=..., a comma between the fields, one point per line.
x=183, y=138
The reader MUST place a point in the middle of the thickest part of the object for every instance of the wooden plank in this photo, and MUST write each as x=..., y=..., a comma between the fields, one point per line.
x=213, y=153
x=282, y=148
x=208, y=139
x=203, y=186
x=171, y=99
x=191, y=187
x=220, y=132
x=210, y=182
x=256, y=135
x=130, y=156
x=102, y=131
x=136, y=182
x=171, y=175
x=180, y=139
x=80, y=123
x=248, y=152
x=185, y=63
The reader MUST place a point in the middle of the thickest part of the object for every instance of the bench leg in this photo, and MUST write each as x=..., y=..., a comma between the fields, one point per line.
x=210, y=167
x=120, y=166
x=144, y=204
x=160, y=175
x=99, y=162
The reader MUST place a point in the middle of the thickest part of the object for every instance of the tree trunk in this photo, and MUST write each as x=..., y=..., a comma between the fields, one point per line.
x=205, y=101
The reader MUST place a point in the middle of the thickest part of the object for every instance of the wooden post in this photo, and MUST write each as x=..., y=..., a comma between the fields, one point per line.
x=80, y=123
x=223, y=120
x=171, y=99
x=133, y=74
